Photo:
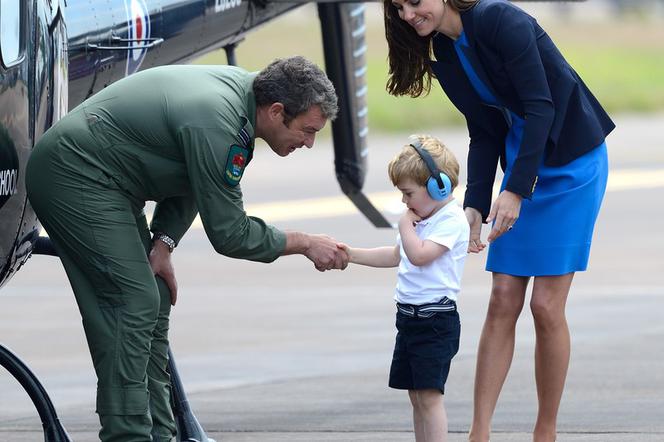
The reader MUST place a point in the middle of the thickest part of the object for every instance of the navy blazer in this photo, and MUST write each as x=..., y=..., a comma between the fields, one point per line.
x=524, y=70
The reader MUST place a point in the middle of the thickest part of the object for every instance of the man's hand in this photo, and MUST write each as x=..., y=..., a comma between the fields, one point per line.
x=320, y=249
x=324, y=253
x=505, y=211
x=161, y=264
x=474, y=217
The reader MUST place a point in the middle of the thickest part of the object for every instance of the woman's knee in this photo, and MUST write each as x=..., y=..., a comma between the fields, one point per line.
x=549, y=299
x=547, y=311
x=506, y=299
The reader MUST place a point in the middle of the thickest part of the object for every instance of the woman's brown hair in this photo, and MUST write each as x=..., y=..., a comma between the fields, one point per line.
x=408, y=53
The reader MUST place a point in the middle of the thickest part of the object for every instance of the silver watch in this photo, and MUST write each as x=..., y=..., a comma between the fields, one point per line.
x=166, y=240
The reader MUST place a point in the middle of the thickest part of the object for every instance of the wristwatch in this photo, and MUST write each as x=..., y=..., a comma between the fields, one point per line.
x=165, y=239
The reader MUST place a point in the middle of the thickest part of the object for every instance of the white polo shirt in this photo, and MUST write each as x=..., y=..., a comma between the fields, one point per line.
x=442, y=277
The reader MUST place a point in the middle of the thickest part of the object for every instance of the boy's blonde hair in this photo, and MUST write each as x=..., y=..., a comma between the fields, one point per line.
x=408, y=164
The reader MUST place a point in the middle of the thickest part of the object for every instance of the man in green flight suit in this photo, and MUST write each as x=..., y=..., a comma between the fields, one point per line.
x=181, y=136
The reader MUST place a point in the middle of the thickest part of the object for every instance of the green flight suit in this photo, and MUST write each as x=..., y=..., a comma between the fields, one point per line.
x=178, y=135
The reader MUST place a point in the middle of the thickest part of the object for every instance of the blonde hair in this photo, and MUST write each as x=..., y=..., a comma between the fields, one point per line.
x=408, y=164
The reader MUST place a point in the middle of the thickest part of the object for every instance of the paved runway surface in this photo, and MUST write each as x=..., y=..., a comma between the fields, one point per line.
x=281, y=352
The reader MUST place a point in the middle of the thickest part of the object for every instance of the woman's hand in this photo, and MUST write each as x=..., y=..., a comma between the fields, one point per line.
x=474, y=217
x=505, y=211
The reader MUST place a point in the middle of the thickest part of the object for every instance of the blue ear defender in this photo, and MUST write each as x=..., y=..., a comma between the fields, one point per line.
x=439, y=184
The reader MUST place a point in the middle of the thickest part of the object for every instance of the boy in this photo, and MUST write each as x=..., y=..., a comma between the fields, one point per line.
x=431, y=249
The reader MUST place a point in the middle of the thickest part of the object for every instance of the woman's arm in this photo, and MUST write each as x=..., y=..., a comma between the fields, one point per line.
x=487, y=140
x=514, y=36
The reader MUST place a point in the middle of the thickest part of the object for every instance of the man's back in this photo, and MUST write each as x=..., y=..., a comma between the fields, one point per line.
x=136, y=124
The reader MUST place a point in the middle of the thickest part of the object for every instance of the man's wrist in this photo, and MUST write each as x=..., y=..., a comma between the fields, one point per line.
x=164, y=238
x=297, y=243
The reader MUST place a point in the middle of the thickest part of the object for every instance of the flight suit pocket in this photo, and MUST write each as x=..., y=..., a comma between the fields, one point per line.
x=97, y=129
x=108, y=290
x=122, y=401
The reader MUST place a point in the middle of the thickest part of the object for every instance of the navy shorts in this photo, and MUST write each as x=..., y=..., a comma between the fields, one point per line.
x=423, y=350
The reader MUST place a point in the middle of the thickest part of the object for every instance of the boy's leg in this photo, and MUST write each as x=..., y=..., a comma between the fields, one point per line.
x=434, y=418
x=418, y=423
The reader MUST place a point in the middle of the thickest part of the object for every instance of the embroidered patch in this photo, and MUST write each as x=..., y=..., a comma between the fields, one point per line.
x=235, y=164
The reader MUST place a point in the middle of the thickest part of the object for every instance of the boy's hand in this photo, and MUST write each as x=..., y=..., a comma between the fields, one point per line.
x=347, y=250
x=409, y=218
x=474, y=217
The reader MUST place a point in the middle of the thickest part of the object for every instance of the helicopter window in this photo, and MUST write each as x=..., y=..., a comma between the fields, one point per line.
x=10, y=31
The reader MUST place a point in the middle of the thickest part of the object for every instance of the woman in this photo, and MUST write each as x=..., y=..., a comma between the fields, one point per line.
x=527, y=108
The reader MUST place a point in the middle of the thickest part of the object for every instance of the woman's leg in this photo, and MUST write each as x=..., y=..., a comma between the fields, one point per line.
x=496, y=348
x=552, y=349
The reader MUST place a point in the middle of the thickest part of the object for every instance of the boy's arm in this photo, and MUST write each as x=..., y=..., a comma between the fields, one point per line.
x=376, y=257
x=419, y=252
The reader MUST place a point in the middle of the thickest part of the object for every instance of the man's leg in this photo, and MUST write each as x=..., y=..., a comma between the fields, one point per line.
x=159, y=382
x=93, y=228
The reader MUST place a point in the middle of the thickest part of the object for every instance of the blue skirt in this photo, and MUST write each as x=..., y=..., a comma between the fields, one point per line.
x=554, y=231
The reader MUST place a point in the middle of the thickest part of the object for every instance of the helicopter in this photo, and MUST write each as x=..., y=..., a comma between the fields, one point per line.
x=54, y=54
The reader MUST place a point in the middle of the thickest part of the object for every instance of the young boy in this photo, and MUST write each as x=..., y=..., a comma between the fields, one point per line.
x=431, y=249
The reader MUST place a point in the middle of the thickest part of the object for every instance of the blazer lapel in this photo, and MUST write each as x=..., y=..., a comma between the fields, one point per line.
x=470, y=51
x=451, y=76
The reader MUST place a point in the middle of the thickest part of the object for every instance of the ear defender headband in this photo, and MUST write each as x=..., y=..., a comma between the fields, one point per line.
x=439, y=185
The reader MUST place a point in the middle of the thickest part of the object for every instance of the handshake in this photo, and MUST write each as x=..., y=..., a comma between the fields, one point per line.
x=325, y=252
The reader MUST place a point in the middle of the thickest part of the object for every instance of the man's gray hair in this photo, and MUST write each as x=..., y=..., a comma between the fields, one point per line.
x=298, y=84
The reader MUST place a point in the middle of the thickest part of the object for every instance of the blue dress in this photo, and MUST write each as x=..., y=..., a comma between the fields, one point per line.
x=554, y=231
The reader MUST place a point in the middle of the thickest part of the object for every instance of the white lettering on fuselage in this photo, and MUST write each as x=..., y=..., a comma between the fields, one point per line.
x=8, y=179
x=223, y=5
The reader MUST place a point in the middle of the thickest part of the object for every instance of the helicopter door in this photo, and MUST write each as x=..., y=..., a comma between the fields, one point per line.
x=33, y=94
x=15, y=134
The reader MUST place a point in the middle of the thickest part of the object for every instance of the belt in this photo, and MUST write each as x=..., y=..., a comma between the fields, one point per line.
x=427, y=310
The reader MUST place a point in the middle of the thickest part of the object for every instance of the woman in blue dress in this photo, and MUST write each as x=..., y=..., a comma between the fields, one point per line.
x=527, y=109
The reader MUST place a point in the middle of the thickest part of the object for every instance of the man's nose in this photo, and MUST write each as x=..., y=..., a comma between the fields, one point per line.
x=309, y=140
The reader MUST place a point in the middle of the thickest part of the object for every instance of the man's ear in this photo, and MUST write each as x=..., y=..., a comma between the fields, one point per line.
x=276, y=111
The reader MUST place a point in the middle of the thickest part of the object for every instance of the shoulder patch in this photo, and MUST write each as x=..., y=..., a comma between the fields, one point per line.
x=236, y=162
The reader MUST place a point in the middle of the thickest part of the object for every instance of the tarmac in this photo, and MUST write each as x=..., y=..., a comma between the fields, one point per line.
x=281, y=352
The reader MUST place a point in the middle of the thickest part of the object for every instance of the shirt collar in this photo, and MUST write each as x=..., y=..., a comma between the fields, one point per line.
x=439, y=213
